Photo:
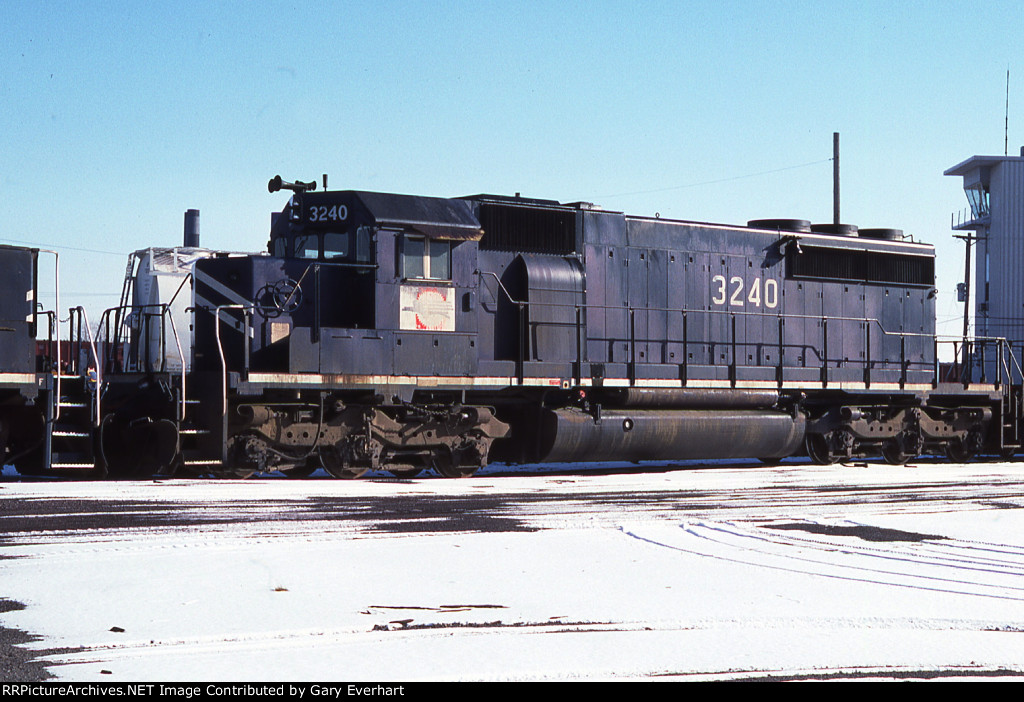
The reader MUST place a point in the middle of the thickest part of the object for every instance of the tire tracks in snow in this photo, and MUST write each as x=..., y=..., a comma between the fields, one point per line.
x=918, y=561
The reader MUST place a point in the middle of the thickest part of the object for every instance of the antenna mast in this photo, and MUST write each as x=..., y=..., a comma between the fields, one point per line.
x=835, y=178
x=1006, y=123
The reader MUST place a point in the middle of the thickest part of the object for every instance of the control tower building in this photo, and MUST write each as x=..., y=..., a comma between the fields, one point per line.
x=993, y=226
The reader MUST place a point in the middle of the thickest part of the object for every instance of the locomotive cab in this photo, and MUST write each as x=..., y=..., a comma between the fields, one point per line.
x=346, y=347
x=355, y=284
x=344, y=259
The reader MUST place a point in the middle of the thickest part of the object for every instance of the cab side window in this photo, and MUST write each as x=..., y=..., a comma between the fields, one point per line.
x=426, y=258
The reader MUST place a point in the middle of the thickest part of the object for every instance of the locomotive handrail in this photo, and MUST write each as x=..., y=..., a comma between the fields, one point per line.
x=246, y=311
x=1004, y=366
x=1009, y=348
x=298, y=283
x=92, y=347
x=1007, y=370
x=188, y=277
x=54, y=367
x=504, y=290
x=631, y=311
x=181, y=357
x=520, y=351
x=126, y=292
x=51, y=317
x=163, y=311
x=588, y=306
x=905, y=365
x=163, y=314
x=347, y=264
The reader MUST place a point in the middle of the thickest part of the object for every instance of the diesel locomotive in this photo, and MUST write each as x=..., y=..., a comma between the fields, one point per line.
x=397, y=332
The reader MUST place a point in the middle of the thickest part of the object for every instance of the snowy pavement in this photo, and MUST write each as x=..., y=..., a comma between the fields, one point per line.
x=718, y=573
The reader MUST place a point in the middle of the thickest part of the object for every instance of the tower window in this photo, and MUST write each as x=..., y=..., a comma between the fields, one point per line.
x=977, y=196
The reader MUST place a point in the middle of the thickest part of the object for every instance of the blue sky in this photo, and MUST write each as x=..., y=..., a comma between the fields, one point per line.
x=119, y=116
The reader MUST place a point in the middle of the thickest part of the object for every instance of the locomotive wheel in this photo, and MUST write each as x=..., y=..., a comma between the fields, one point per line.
x=346, y=473
x=958, y=451
x=333, y=464
x=450, y=471
x=303, y=471
x=409, y=467
x=410, y=472
x=245, y=458
x=818, y=450
x=145, y=448
x=447, y=466
x=894, y=454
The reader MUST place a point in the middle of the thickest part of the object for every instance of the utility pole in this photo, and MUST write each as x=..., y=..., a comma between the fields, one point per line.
x=967, y=286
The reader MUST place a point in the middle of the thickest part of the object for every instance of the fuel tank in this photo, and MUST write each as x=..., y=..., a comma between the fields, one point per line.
x=658, y=434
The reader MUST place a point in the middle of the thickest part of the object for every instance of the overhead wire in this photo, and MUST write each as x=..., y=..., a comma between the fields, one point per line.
x=37, y=244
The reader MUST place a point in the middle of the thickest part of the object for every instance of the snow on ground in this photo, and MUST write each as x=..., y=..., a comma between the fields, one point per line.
x=596, y=592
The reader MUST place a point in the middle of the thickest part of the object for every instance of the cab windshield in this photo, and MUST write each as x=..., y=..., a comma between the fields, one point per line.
x=339, y=247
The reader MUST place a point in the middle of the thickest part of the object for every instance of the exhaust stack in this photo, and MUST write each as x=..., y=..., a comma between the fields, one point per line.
x=191, y=229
